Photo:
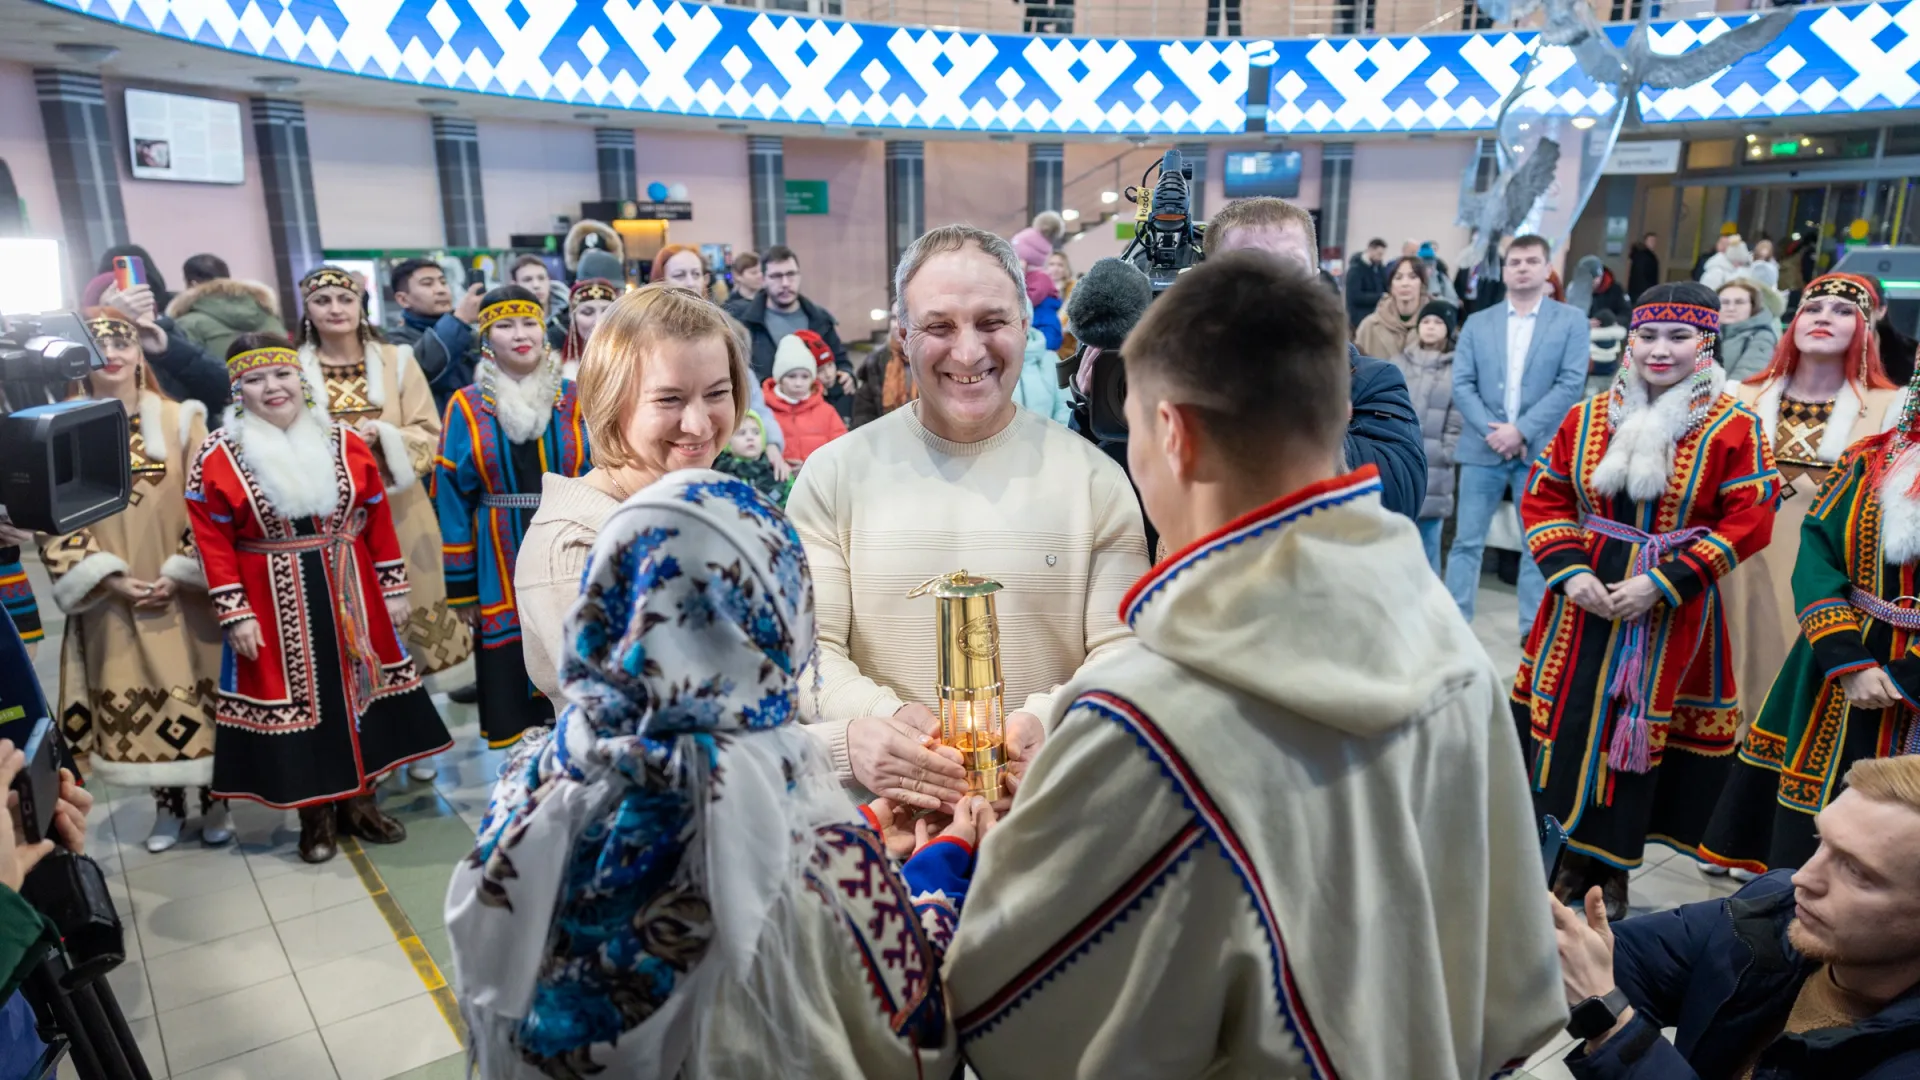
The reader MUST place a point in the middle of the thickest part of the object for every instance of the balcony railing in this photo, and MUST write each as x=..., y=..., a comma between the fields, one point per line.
x=1208, y=18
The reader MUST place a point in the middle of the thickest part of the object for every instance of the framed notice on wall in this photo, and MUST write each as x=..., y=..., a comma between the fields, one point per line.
x=193, y=139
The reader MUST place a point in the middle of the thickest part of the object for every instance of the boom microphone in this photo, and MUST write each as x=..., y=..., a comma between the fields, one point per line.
x=1106, y=302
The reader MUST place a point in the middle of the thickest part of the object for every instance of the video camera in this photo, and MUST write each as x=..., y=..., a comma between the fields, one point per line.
x=63, y=464
x=1114, y=293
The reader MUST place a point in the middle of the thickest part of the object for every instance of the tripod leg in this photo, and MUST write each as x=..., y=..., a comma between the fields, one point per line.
x=43, y=989
x=99, y=1032
x=122, y=1034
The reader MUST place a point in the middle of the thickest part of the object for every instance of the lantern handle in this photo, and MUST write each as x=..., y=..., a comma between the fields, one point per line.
x=928, y=585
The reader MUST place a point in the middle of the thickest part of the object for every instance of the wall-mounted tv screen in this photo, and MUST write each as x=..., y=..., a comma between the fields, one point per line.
x=1262, y=172
x=174, y=137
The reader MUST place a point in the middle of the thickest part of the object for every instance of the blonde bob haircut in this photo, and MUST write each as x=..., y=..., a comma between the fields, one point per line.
x=613, y=367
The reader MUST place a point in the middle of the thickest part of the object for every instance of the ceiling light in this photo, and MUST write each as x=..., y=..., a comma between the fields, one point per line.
x=1751, y=137
x=877, y=315
x=1583, y=122
x=1109, y=197
x=438, y=103
x=86, y=52
x=1000, y=136
x=1070, y=214
x=589, y=117
x=1804, y=141
x=731, y=126
x=275, y=82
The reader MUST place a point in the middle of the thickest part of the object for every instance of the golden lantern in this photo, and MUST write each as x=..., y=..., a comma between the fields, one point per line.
x=973, y=715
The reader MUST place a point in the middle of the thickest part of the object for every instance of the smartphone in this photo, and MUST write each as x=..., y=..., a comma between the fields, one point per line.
x=128, y=271
x=1553, y=846
x=475, y=276
x=39, y=783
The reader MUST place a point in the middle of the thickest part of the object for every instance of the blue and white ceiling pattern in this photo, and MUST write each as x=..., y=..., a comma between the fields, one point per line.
x=695, y=60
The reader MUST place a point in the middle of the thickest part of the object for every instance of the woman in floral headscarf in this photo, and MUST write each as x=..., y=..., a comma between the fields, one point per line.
x=1646, y=497
x=671, y=885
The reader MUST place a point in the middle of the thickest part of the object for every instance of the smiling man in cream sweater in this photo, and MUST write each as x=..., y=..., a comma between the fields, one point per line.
x=960, y=479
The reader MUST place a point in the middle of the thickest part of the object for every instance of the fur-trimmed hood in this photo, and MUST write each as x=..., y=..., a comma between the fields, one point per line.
x=224, y=289
x=577, y=241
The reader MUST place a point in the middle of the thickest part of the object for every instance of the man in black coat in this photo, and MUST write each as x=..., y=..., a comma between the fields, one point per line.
x=1384, y=431
x=1811, y=974
x=1643, y=266
x=780, y=309
x=1366, y=281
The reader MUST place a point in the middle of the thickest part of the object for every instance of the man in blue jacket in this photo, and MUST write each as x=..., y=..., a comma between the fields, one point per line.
x=1802, y=975
x=1383, y=430
x=440, y=331
x=1519, y=367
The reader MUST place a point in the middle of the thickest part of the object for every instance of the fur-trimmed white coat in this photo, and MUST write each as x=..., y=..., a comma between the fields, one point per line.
x=140, y=672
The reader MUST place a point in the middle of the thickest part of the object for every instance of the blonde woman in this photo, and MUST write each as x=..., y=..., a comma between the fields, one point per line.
x=663, y=383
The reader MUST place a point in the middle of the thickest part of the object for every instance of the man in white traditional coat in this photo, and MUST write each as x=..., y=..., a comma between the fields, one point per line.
x=1291, y=836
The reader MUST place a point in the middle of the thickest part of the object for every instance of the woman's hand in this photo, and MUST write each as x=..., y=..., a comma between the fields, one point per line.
x=1584, y=591
x=160, y=593
x=1633, y=597
x=399, y=610
x=781, y=470
x=127, y=588
x=1870, y=688
x=244, y=636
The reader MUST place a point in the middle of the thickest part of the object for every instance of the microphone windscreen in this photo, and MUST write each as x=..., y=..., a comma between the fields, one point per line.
x=1107, y=300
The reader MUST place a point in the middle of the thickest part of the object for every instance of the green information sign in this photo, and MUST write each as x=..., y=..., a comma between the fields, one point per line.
x=806, y=196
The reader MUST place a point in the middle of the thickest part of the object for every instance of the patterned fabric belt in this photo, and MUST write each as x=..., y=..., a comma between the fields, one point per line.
x=1632, y=746
x=1884, y=610
x=511, y=502
x=349, y=602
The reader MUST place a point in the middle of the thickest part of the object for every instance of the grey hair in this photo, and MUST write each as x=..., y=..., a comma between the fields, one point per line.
x=945, y=238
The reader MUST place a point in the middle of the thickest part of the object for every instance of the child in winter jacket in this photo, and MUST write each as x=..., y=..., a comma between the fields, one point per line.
x=1033, y=249
x=1039, y=385
x=1427, y=362
x=750, y=457
x=793, y=394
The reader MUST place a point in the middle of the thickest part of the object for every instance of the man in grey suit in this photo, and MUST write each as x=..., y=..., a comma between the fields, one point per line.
x=1519, y=367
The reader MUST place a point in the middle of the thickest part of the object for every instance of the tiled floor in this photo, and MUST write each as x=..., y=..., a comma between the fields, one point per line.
x=244, y=962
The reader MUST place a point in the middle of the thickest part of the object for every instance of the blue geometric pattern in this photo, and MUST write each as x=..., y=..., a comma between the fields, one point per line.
x=689, y=59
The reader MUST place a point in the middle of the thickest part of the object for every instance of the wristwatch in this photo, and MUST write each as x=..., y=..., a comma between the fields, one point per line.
x=1596, y=1016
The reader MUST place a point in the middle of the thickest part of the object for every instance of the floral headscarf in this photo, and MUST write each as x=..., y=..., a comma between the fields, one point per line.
x=582, y=918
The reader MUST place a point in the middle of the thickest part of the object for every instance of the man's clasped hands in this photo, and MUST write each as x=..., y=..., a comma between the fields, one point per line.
x=922, y=785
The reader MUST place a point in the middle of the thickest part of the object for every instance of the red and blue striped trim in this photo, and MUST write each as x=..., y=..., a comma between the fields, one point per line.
x=1331, y=492
x=1293, y=1010
x=1085, y=934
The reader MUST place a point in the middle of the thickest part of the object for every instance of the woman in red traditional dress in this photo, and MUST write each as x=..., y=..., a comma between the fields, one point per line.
x=318, y=697
x=1645, y=499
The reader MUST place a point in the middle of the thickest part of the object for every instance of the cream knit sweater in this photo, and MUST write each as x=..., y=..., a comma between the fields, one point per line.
x=546, y=577
x=1035, y=507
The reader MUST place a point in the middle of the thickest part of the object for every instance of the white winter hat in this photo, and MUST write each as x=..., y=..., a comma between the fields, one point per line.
x=792, y=354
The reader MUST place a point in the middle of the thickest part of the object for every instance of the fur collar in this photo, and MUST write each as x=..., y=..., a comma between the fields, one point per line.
x=1835, y=437
x=183, y=302
x=315, y=370
x=1639, y=457
x=1900, y=510
x=153, y=432
x=295, y=467
x=523, y=406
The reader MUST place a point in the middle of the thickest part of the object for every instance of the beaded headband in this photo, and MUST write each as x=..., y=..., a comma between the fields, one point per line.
x=328, y=277
x=1704, y=318
x=1845, y=286
x=111, y=326
x=254, y=359
x=508, y=309
x=593, y=289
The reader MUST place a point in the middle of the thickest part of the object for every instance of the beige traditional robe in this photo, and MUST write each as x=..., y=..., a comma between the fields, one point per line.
x=138, y=689
x=1762, y=621
x=389, y=388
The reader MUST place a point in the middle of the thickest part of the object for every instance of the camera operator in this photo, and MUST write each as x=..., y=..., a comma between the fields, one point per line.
x=1383, y=429
x=25, y=934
